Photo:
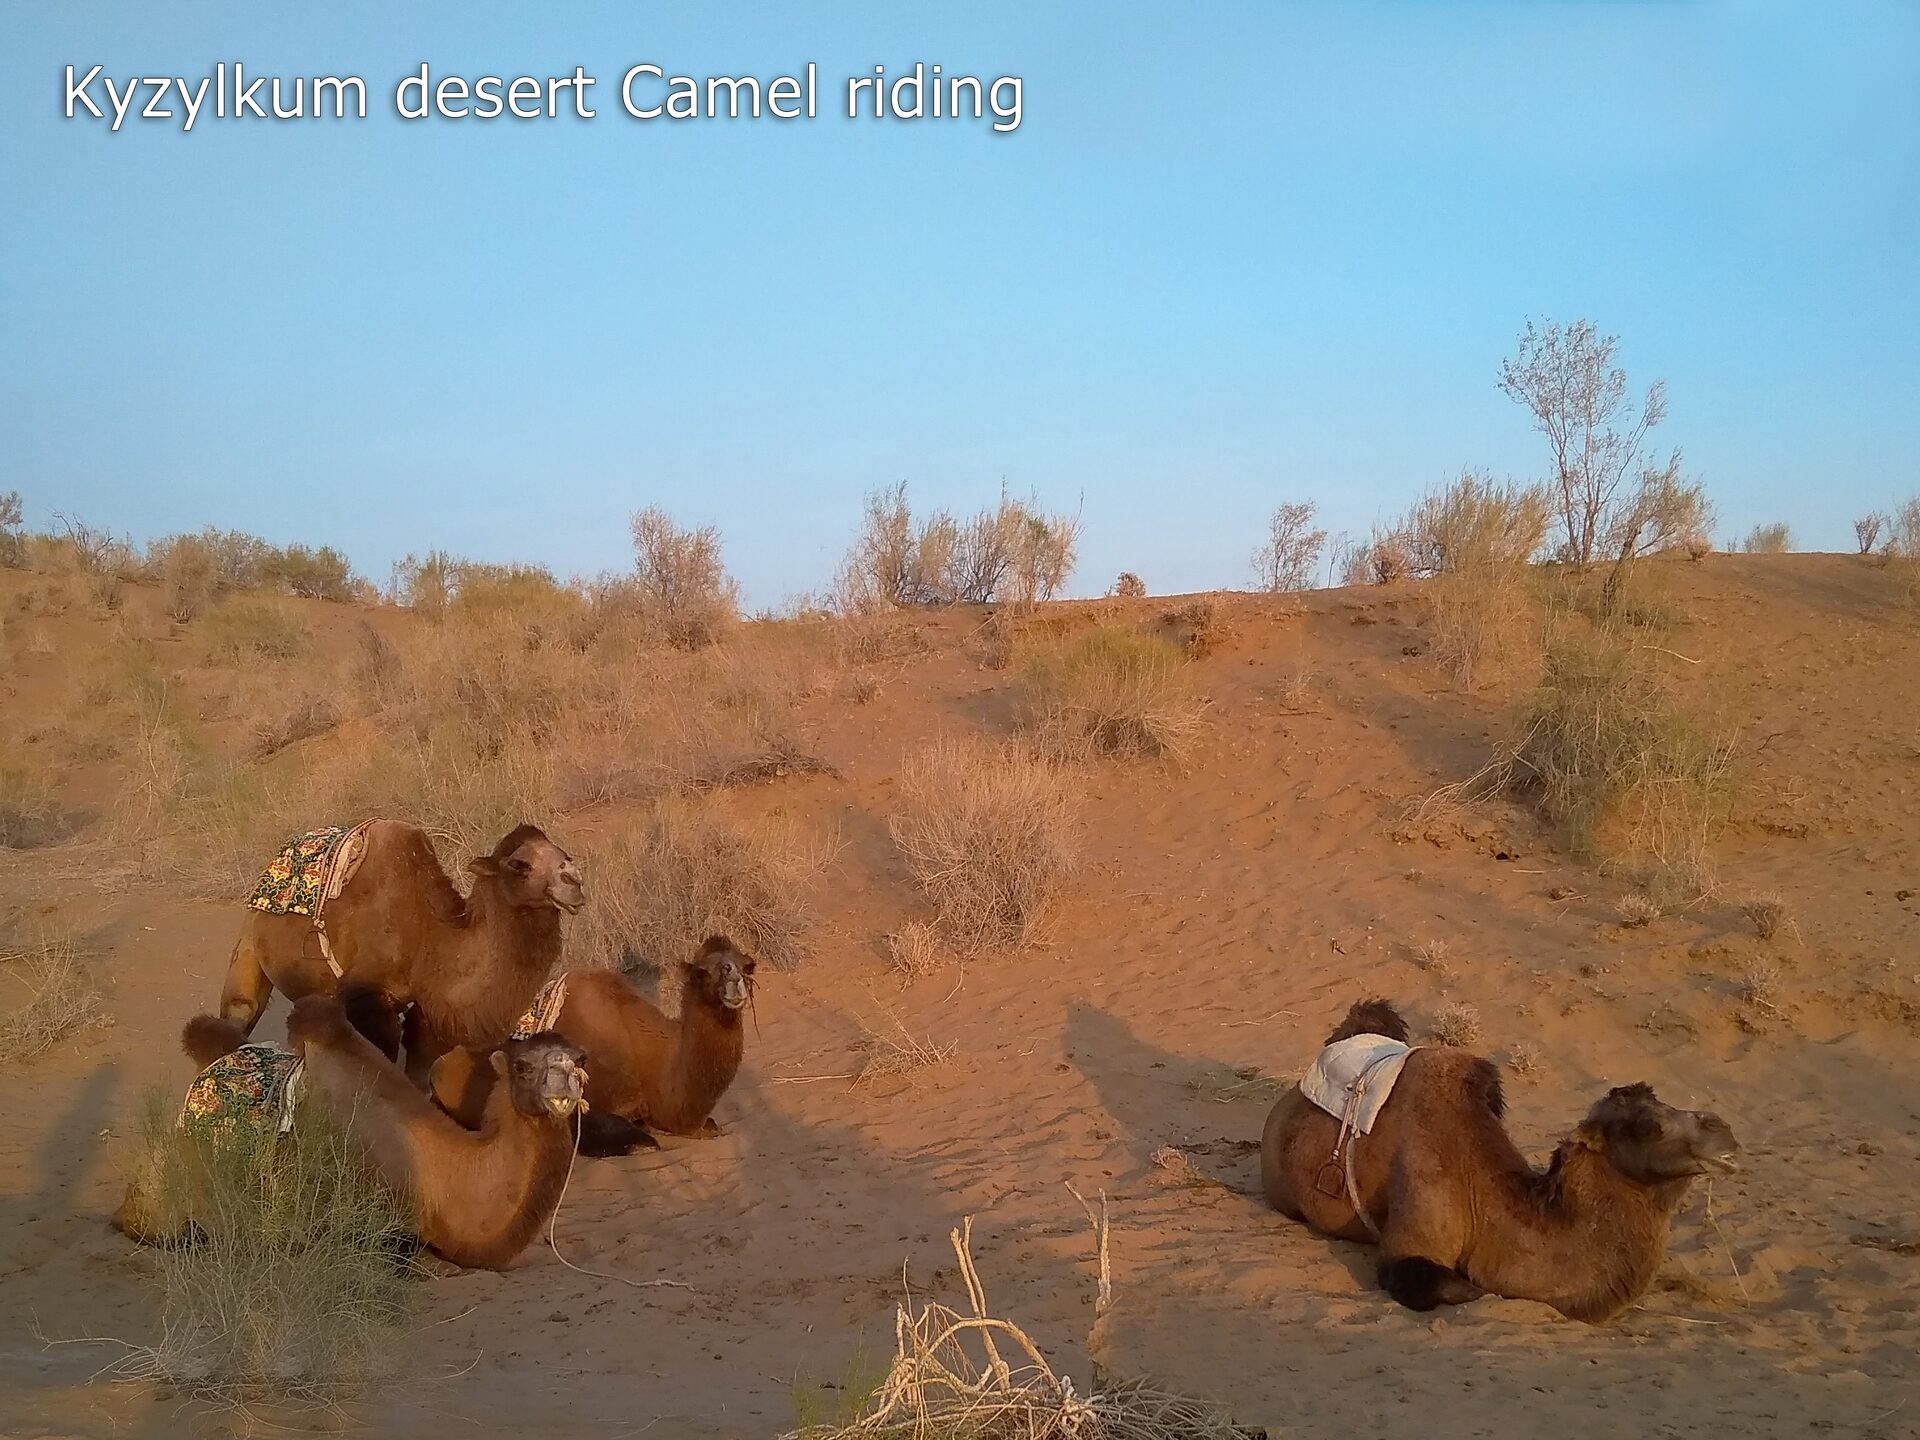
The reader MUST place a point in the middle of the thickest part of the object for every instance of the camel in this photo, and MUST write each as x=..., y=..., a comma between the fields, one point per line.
x=477, y=1197
x=1457, y=1210
x=649, y=1073
x=468, y=964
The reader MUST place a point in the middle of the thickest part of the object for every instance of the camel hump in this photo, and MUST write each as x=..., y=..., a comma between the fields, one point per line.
x=1373, y=1017
x=206, y=1038
x=1482, y=1080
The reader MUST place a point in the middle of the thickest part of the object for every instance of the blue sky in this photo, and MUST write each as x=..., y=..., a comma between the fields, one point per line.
x=1234, y=254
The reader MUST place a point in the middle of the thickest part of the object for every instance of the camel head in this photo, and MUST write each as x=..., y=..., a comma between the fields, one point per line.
x=545, y=1075
x=721, y=975
x=1649, y=1142
x=533, y=870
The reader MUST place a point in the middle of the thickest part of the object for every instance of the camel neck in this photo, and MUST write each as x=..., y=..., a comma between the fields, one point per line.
x=707, y=1056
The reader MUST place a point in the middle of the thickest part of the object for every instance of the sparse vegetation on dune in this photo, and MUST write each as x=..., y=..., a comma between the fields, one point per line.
x=298, y=1287
x=989, y=835
x=1768, y=539
x=1109, y=692
x=1476, y=538
x=1287, y=557
x=1015, y=554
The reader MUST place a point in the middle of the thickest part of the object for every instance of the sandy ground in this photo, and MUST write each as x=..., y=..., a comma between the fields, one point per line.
x=1228, y=914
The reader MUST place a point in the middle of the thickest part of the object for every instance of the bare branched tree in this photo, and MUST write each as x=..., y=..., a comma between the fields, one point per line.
x=1866, y=530
x=1566, y=378
x=1286, y=560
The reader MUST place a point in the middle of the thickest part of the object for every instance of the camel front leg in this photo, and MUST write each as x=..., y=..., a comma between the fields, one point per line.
x=1417, y=1248
x=247, y=989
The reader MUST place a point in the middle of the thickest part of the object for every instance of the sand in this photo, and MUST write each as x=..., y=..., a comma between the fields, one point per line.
x=1227, y=914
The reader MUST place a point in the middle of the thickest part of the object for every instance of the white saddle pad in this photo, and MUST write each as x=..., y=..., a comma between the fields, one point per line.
x=1356, y=1076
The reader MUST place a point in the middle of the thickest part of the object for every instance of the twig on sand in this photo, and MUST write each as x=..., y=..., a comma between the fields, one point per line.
x=1732, y=1265
x=1099, y=1223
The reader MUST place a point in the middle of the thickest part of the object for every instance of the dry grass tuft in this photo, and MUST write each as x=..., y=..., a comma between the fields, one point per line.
x=1773, y=539
x=30, y=812
x=1769, y=915
x=1457, y=1025
x=682, y=871
x=1760, y=984
x=298, y=1287
x=61, y=999
x=989, y=834
x=309, y=713
x=915, y=949
x=1526, y=1059
x=1636, y=910
x=1109, y=692
x=245, y=631
x=896, y=1055
x=966, y=1375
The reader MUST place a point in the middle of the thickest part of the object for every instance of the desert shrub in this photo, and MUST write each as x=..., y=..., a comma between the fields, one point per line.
x=1866, y=531
x=1128, y=587
x=1773, y=539
x=243, y=631
x=59, y=999
x=1013, y=553
x=1287, y=557
x=424, y=583
x=299, y=1285
x=13, y=544
x=1903, y=544
x=302, y=716
x=989, y=835
x=1603, y=744
x=30, y=813
x=1475, y=538
x=1697, y=545
x=188, y=578
x=1769, y=915
x=682, y=871
x=322, y=574
x=681, y=581
x=1109, y=692
x=1382, y=558
x=1456, y=1024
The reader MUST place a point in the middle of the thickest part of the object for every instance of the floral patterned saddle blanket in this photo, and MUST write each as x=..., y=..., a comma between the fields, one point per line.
x=310, y=870
x=252, y=1091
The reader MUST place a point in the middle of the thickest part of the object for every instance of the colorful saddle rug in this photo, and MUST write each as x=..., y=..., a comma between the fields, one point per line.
x=1352, y=1079
x=544, y=1013
x=251, y=1091
x=310, y=870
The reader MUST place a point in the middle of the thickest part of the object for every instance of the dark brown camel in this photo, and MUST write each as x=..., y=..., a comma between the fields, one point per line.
x=649, y=1073
x=1458, y=1210
x=469, y=964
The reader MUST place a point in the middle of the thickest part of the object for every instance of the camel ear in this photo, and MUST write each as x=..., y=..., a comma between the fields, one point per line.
x=484, y=865
x=499, y=1058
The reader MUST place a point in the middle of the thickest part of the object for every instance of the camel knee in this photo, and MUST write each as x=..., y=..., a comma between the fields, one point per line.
x=1418, y=1283
x=245, y=994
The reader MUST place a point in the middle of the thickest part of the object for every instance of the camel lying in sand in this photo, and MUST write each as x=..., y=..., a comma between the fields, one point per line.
x=469, y=964
x=477, y=1197
x=649, y=1072
x=1458, y=1211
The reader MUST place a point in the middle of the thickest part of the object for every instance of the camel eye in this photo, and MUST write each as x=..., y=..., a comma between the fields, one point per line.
x=519, y=866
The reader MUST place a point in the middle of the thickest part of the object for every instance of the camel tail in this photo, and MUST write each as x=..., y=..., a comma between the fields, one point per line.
x=206, y=1038
x=1482, y=1080
x=1372, y=1017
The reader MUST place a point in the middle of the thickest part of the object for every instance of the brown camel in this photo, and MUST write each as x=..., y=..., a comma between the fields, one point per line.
x=468, y=964
x=1457, y=1210
x=649, y=1072
x=477, y=1197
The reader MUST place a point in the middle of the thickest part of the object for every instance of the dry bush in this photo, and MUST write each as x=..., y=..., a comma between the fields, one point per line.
x=13, y=544
x=1903, y=545
x=1604, y=745
x=1760, y=984
x=1431, y=956
x=1381, y=559
x=683, y=871
x=322, y=574
x=1525, y=1059
x=187, y=575
x=1196, y=627
x=303, y=716
x=1014, y=553
x=1128, y=587
x=857, y=687
x=896, y=1054
x=426, y=583
x=1697, y=544
x=299, y=1286
x=1867, y=529
x=915, y=949
x=1773, y=539
x=1637, y=911
x=247, y=631
x=1286, y=558
x=1475, y=538
x=681, y=583
x=1769, y=915
x=60, y=998
x=1457, y=1025
x=1109, y=692
x=989, y=835
x=30, y=811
